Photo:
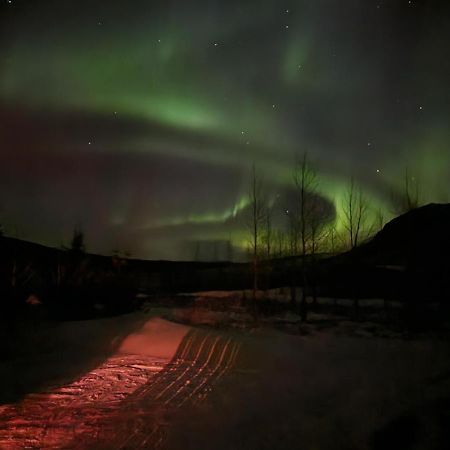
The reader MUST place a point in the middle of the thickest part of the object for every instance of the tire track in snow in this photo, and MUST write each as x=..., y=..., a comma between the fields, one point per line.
x=124, y=404
x=203, y=359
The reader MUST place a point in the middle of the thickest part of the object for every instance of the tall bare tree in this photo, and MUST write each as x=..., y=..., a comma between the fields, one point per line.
x=355, y=210
x=331, y=239
x=409, y=196
x=292, y=234
x=268, y=236
x=305, y=181
x=280, y=240
x=256, y=223
x=292, y=242
x=411, y=192
x=311, y=218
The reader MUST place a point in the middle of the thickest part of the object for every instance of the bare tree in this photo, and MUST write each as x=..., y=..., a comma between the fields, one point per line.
x=311, y=218
x=409, y=196
x=292, y=251
x=331, y=239
x=268, y=233
x=411, y=192
x=77, y=242
x=256, y=223
x=280, y=239
x=292, y=233
x=355, y=209
x=305, y=181
x=379, y=220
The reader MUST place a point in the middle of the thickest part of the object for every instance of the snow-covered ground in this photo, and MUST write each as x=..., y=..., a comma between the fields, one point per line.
x=325, y=391
x=126, y=400
x=209, y=383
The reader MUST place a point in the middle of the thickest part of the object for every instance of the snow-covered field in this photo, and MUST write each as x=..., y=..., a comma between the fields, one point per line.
x=126, y=400
x=216, y=382
x=325, y=391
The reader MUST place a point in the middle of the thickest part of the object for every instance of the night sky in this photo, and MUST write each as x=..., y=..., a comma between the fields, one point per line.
x=139, y=120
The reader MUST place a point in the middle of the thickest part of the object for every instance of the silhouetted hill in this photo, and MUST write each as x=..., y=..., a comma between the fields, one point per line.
x=408, y=259
x=418, y=237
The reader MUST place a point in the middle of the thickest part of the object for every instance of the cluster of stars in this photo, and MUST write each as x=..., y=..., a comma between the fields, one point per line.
x=369, y=144
x=243, y=133
x=286, y=26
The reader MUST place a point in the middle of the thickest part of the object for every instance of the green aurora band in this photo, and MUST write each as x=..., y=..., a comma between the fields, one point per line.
x=193, y=75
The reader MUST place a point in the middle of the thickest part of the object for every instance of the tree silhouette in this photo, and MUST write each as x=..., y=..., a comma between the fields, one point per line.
x=355, y=209
x=310, y=218
x=409, y=196
x=255, y=223
x=77, y=243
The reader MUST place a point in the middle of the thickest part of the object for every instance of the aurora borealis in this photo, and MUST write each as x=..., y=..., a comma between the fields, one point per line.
x=139, y=121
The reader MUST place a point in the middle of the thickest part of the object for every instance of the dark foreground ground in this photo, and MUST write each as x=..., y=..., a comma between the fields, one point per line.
x=145, y=381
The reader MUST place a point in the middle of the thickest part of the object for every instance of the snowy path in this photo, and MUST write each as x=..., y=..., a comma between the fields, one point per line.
x=124, y=403
x=170, y=386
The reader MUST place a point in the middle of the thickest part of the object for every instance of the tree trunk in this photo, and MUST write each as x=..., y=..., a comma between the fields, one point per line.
x=304, y=303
